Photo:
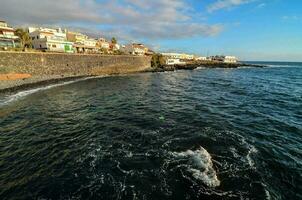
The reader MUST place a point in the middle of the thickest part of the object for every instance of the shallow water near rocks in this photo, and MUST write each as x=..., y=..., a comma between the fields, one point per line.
x=202, y=134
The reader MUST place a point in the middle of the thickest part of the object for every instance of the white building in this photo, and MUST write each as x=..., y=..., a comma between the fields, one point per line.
x=90, y=42
x=225, y=59
x=105, y=45
x=174, y=61
x=50, y=39
x=102, y=43
x=135, y=49
x=116, y=47
x=188, y=57
x=201, y=58
x=7, y=36
x=180, y=56
x=172, y=55
x=230, y=59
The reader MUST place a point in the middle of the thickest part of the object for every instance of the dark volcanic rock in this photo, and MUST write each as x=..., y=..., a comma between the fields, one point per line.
x=194, y=65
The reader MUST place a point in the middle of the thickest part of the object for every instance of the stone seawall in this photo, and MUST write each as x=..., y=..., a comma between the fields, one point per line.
x=50, y=64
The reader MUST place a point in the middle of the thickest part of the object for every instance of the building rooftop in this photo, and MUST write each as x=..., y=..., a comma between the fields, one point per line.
x=141, y=46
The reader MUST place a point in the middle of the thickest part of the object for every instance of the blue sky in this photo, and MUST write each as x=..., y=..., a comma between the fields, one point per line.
x=249, y=29
x=259, y=30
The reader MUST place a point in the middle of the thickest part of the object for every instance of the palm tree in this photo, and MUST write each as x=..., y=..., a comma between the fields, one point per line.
x=24, y=38
x=113, y=40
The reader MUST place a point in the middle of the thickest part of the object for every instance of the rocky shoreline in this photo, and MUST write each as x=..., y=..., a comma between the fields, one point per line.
x=195, y=65
x=13, y=86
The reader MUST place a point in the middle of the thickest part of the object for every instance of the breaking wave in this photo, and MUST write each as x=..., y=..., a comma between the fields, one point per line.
x=11, y=98
x=200, y=165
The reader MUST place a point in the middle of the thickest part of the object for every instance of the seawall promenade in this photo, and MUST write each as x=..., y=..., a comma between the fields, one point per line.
x=37, y=67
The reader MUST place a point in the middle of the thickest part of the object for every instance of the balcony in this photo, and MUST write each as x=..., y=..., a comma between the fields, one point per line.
x=13, y=37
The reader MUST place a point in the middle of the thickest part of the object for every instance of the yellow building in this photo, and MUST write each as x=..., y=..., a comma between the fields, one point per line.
x=82, y=43
x=76, y=37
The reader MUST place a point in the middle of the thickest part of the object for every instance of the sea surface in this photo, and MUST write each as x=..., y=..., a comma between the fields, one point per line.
x=201, y=134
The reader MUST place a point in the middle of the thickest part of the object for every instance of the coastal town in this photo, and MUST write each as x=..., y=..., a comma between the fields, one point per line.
x=59, y=40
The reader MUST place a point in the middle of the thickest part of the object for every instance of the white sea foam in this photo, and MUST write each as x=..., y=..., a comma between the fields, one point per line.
x=252, y=150
x=201, y=166
x=11, y=98
x=199, y=68
x=279, y=66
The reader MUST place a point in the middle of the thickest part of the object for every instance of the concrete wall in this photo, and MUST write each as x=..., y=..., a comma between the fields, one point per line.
x=70, y=64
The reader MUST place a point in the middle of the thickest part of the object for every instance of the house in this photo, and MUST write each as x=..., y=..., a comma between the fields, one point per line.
x=7, y=36
x=135, y=49
x=82, y=43
x=48, y=39
x=188, y=57
x=74, y=37
x=103, y=44
x=116, y=47
x=174, y=61
x=172, y=55
x=180, y=56
x=230, y=59
x=217, y=58
x=90, y=42
x=225, y=59
x=177, y=58
x=201, y=58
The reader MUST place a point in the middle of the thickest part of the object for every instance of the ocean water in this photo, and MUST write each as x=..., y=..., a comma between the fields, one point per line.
x=202, y=134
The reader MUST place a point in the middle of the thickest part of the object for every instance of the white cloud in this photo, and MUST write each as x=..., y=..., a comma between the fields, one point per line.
x=261, y=5
x=291, y=18
x=128, y=19
x=226, y=4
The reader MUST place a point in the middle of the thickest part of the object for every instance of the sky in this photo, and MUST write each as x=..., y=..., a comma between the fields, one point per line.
x=265, y=30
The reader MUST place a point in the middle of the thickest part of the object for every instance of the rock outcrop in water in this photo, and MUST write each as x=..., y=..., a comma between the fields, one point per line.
x=192, y=66
x=158, y=65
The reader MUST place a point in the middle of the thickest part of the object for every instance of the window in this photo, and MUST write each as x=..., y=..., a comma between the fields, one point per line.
x=54, y=46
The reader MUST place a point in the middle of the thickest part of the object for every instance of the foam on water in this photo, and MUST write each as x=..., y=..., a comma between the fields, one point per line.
x=11, y=98
x=200, y=166
x=199, y=68
x=251, y=151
